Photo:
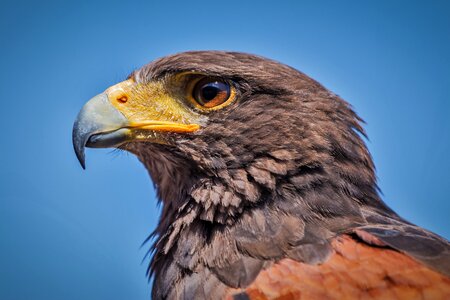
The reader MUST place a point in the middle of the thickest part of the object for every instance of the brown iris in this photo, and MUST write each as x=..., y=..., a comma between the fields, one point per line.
x=211, y=92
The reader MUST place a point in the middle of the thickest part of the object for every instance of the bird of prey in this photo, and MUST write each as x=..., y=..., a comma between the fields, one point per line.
x=268, y=190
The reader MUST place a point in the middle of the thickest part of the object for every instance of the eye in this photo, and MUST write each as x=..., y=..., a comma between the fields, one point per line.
x=211, y=92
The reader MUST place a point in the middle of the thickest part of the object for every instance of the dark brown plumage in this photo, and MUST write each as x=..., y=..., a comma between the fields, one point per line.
x=281, y=173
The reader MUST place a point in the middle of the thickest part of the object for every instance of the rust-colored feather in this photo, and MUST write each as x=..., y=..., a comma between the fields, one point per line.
x=354, y=271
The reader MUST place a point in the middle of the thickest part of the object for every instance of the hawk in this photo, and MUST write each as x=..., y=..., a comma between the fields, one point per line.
x=268, y=190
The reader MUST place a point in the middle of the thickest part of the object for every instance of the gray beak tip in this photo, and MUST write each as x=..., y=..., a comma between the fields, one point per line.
x=81, y=159
x=78, y=146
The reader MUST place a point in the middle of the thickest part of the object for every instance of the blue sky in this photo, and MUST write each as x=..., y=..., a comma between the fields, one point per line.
x=72, y=234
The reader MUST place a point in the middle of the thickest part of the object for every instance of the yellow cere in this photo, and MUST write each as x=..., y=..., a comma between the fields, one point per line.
x=149, y=106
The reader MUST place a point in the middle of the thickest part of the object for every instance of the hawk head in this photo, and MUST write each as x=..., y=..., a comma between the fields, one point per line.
x=228, y=119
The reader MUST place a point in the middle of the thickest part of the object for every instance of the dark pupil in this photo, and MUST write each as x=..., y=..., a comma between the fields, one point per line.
x=210, y=91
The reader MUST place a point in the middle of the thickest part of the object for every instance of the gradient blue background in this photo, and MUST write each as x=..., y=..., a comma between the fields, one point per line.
x=72, y=234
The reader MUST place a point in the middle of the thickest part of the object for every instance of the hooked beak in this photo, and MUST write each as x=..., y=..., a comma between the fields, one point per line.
x=98, y=125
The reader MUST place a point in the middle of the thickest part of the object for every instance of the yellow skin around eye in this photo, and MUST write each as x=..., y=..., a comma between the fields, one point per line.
x=163, y=105
x=149, y=106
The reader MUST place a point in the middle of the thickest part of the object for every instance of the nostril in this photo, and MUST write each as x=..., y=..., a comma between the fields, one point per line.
x=122, y=98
